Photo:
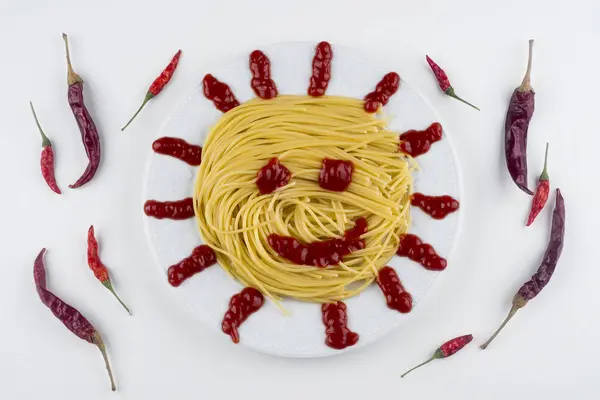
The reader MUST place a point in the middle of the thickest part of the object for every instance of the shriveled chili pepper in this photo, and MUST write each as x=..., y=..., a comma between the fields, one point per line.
x=541, y=278
x=97, y=267
x=445, y=350
x=444, y=82
x=68, y=315
x=158, y=85
x=87, y=127
x=47, y=157
x=518, y=116
x=541, y=193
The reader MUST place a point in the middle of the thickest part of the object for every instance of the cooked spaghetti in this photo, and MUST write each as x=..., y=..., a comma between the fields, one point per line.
x=235, y=219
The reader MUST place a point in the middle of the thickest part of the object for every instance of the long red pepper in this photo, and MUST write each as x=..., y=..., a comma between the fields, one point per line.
x=158, y=85
x=542, y=276
x=444, y=82
x=71, y=318
x=541, y=193
x=47, y=157
x=445, y=350
x=89, y=133
x=97, y=267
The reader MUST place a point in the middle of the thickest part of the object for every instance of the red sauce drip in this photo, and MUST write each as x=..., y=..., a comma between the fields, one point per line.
x=178, y=148
x=337, y=334
x=416, y=143
x=272, y=176
x=219, y=93
x=359, y=229
x=322, y=253
x=321, y=70
x=261, y=82
x=438, y=207
x=412, y=246
x=385, y=89
x=180, y=209
x=241, y=306
x=335, y=175
x=396, y=296
x=201, y=258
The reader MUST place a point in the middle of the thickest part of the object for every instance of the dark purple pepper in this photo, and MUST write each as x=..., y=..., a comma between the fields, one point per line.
x=540, y=279
x=71, y=318
x=89, y=132
x=518, y=116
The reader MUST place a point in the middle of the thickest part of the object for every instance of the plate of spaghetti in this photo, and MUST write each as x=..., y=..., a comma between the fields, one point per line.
x=303, y=199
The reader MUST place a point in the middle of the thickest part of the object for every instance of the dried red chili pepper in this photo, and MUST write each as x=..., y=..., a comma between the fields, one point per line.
x=158, y=85
x=97, y=267
x=68, y=315
x=445, y=350
x=444, y=82
x=541, y=278
x=518, y=117
x=541, y=193
x=47, y=157
x=87, y=127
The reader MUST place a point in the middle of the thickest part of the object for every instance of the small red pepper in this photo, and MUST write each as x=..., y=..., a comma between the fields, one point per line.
x=444, y=82
x=446, y=350
x=541, y=194
x=158, y=85
x=47, y=157
x=97, y=267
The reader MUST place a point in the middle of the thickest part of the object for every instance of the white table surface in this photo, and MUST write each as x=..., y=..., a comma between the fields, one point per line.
x=549, y=351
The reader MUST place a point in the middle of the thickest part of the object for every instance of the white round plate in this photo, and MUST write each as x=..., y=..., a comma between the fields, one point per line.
x=301, y=334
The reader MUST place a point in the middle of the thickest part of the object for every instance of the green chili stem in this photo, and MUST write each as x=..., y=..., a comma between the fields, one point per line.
x=146, y=100
x=97, y=339
x=45, y=141
x=544, y=176
x=109, y=286
x=526, y=84
x=435, y=356
x=450, y=92
x=518, y=302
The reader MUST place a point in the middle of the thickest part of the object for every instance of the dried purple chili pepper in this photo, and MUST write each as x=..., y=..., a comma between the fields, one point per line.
x=518, y=116
x=541, y=278
x=89, y=132
x=68, y=315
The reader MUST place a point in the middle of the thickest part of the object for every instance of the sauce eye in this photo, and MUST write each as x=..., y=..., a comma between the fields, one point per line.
x=272, y=176
x=336, y=175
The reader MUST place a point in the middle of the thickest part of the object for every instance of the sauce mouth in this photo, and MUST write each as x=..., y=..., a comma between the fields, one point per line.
x=321, y=253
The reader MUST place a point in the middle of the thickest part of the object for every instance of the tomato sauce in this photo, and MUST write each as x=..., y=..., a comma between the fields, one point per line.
x=412, y=246
x=178, y=148
x=178, y=210
x=201, y=258
x=262, y=84
x=416, y=143
x=241, y=306
x=219, y=93
x=322, y=253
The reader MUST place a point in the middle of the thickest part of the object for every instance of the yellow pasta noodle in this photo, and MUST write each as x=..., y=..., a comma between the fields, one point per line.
x=236, y=220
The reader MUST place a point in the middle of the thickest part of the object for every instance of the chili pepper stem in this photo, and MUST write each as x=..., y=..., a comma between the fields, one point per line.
x=97, y=339
x=109, y=286
x=149, y=96
x=450, y=92
x=544, y=176
x=72, y=77
x=434, y=357
x=45, y=140
x=518, y=302
x=526, y=83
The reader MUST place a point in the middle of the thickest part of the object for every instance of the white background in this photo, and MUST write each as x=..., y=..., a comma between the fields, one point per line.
x=550, y=350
